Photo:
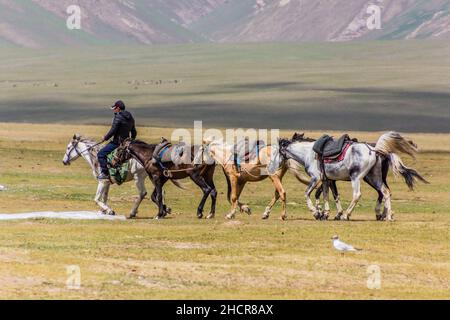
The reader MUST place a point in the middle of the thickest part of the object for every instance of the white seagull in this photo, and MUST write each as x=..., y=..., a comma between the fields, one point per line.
x=342, y=246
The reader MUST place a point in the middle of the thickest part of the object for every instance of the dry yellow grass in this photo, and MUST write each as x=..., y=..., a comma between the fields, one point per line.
x=182, y=257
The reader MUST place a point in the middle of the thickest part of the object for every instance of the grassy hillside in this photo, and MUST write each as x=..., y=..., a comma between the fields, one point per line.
x=352, y=86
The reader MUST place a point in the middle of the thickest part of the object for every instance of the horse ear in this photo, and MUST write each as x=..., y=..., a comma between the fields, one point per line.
x=74, y=137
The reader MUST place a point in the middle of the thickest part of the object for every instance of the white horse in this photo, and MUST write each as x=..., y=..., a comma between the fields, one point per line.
x=88, y=149
x=361, y=161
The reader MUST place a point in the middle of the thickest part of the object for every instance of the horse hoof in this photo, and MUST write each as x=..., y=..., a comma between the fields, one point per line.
x=112, y=213
x=317, y=215
x=283, y=218
x=200, y=216
x=132, y=216
x=168, y=211
x=324, y=217
x=210, y=216
x=265, y=216
x=230, y=217
x=345, y=218
x=246, y=209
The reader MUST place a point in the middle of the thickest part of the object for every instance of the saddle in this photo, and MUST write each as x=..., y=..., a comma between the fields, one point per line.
x=167, y=152
x=245, y=151
x=163, y=151
x=329, y=148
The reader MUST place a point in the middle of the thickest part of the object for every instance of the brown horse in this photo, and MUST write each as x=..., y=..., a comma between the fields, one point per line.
x=201, y=175
x=217, y=151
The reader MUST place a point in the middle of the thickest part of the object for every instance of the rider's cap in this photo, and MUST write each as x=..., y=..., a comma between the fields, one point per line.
x=119, y=104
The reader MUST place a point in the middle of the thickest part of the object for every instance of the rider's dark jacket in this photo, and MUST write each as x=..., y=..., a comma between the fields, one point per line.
x=123, y=127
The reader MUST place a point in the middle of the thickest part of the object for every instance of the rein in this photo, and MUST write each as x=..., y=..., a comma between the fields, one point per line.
x=80, y=153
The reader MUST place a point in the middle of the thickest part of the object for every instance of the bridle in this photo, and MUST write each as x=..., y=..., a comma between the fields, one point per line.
x=79, y=153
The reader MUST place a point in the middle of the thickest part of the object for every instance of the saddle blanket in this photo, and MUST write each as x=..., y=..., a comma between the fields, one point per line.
x=341, y=156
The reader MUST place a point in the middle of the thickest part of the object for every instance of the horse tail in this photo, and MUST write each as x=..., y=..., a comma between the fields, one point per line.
x=393, y=142
x=228, y=185
x=178, y=184
x=388, y=145
x=410, y=175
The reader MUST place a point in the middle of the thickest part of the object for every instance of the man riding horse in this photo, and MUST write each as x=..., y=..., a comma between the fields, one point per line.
x=123, y=127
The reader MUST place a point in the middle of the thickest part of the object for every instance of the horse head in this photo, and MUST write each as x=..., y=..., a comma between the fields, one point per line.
x=72, y=152
x=283, y=144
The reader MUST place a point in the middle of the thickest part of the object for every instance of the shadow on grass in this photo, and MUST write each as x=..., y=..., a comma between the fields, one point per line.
x=355, y=109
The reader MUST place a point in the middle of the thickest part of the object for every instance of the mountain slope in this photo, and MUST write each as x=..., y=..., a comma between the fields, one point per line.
x=42, y=23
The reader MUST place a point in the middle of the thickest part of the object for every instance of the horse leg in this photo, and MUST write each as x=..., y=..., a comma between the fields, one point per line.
x=206, y=189
x=337, y=198
x=167, y=210
x=268, y=210
x=356, y=185
x=159, y=184
x=377, y=185
x=140, y=185
x=244, y=208
x=210, y=181
x=312, y=185
x=101, y=197
x=276, y=180
x=317, y=196
x=235, y=192
x=326, y=196
x=387, y=212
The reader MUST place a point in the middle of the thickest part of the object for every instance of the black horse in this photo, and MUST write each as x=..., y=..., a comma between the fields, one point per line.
x=201, y=175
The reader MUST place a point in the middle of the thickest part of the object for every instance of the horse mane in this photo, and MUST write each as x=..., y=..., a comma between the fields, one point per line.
x=89, y=142
x=300, y=137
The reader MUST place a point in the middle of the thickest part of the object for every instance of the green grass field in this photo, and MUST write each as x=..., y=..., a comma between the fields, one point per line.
x=182, y=257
